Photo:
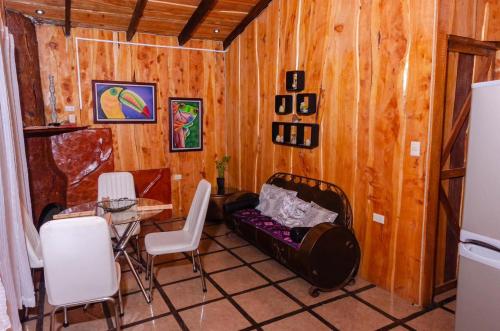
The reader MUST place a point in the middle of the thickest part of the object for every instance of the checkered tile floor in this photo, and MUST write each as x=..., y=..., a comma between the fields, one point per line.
x=247, y=290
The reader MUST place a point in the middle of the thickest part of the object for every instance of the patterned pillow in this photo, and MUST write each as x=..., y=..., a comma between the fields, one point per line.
x=317, y=214
x=292, y=211
x=270, y=199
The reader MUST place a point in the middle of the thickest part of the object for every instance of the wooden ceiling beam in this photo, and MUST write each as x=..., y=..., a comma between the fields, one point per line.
x=195, y=20
x=136, y=17
x=256, y=10
x=67, y=18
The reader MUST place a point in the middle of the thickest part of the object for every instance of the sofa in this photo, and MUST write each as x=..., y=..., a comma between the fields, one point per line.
x=327, y=255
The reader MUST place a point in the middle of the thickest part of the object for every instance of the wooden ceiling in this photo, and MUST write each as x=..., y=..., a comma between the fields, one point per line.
x=219, y=20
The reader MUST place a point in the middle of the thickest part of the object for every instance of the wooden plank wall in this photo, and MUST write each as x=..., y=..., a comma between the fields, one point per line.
x=371, y=65
x=178, y=73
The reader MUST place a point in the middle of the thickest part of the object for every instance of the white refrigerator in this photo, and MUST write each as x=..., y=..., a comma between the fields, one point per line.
x=478, y=294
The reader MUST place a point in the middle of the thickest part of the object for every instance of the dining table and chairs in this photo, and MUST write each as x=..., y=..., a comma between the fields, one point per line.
x=82, y=245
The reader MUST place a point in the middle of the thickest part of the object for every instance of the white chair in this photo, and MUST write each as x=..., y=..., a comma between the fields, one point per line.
x=185, y=240
x=117, y=185
x=79, y=264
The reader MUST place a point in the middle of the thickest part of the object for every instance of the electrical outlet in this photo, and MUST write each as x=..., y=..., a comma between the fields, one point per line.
x=177, y=176
x=415, y=148
x=72, y=118
x=378, y=218
x=69, y=109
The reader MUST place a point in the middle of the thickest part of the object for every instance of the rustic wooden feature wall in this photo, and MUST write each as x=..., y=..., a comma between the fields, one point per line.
x=371, y=66
x=178, y=73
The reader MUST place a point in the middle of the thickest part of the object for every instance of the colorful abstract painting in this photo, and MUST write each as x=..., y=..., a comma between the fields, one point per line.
x=124, y=102
x=186, y=124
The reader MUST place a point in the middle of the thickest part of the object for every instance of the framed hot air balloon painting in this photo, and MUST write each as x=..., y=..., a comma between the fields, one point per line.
x=124, y=102
x=186, y=124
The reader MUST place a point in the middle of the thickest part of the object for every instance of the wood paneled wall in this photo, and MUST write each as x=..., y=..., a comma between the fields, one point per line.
x=371, y=65
x=179, y=73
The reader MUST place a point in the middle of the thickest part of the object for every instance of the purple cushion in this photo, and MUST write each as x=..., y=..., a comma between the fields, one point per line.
x=266, y=224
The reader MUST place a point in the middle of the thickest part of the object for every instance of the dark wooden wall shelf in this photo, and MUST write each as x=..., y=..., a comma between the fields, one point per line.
x=310, y=102
x=286, y=101
x=46, y=131
x=302, y=131
x=295, y=81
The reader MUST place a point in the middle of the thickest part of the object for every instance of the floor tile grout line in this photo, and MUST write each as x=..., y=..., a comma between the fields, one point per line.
x=428, y=309
x=230, y=299
x=169, y=304
x=448, y=310
x=195, y=277
x=274, y=284
x=148, y=319
x=372, y=306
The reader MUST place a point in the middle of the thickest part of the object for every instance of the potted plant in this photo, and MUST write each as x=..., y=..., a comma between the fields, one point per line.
x=221, y=169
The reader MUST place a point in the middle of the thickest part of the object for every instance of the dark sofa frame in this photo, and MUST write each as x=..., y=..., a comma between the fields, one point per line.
x=329, y=254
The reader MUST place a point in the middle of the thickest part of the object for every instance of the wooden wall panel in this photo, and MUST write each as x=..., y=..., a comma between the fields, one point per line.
x=178, y=73
x=371, y=66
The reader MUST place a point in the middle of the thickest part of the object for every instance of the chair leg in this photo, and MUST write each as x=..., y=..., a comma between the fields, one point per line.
x=117, y=314
x=194, y=261
x=202, y=275
x=138, y=247
x=152, y=265
x=120, y=301
x=66, y=323
x=147, y=266
x=53, y=318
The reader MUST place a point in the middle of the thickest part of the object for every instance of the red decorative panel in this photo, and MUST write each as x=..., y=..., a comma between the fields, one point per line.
x=83, y=156
x=153, y=184
x=47, y=182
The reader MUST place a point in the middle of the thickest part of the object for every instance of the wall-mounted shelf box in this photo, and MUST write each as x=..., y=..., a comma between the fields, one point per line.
x=295, y=81
x=309, y=100
x=302, y=131
x=283, y=100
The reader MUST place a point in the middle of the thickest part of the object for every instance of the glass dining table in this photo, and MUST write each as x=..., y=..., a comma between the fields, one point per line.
x=143, y=210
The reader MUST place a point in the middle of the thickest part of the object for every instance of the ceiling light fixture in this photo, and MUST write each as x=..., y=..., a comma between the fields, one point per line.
x=40, y=11
x=216, y=30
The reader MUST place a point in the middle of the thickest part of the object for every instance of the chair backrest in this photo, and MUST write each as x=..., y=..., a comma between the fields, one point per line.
x=197, y=212
x=79, y=261
x=116, y=185
x=33, y=244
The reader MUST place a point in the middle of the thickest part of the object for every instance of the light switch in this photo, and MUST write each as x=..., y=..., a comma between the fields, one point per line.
x=415, y=148
x=378, y=218
x=69, y=109
x=177, y=176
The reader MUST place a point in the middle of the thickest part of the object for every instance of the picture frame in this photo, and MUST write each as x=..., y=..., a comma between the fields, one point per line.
x=185, y=124
x=124, y=102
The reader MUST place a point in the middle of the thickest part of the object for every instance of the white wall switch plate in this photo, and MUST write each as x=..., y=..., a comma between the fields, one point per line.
x=72, y=118
x=378, y=218
x=177, y=176
x=415, y=148
x=69, y=109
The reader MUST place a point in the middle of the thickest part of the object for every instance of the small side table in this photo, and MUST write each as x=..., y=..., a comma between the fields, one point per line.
x=215, y=212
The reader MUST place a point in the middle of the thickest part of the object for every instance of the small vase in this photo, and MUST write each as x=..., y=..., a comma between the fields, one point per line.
x=220, y=185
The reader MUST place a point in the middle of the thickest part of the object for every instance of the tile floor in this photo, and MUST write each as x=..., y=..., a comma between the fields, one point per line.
x=247, y=290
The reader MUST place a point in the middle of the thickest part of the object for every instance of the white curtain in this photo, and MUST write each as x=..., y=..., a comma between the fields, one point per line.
x=15, y=207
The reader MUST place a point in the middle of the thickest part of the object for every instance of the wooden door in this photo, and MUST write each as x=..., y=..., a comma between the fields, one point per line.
x=469, y=61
